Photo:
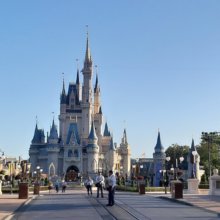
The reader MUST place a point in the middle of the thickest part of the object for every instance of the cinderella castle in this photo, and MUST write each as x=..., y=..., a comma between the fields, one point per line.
x=81, y=147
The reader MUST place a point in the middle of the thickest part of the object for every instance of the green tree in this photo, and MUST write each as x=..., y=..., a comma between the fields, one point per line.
x=210, y=144
x=176, y=151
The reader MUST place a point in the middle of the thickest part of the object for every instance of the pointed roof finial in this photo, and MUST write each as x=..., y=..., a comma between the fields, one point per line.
x=159, y=147
x=88, y=54
x=97, y=80
x=77, y=75
x=92, y=135
x=36, y=120
x=193, y=148
x=63, y=91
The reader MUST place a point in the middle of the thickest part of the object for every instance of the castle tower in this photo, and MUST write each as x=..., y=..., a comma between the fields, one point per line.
x=87, y=95
x=112, y=155
x=98, y=117
x=125, y=152
x=97, y=94
x=63, y=100
x=53, y=138
x=193, y=162
x=159, y=159
x=92, y=151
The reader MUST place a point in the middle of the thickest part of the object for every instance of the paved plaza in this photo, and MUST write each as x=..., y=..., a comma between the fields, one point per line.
x=76, y=204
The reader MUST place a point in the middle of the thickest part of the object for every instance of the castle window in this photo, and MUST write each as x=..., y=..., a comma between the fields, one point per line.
x=76, y=153
x=72, y=100
x=70, y=153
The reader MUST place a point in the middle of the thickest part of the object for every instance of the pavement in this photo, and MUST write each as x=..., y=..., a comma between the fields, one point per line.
x=9, y=203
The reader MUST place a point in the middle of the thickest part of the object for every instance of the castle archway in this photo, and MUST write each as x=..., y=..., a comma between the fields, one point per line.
x=71, y=173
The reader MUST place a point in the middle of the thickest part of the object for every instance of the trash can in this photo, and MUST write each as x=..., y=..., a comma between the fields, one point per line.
x=23, y=191
x=36, y=189
x=141, y=186
x=177, y=189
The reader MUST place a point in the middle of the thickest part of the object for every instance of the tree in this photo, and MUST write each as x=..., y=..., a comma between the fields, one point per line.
x=210, y=144
x=176, y=151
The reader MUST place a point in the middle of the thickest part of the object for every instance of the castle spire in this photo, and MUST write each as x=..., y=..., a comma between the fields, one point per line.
x=77, y=77
x=92, y=135
x=88, y=57
x=63, y=94
x=193, y=148
x=96, y=83
x=159, y=147
x=106, y=131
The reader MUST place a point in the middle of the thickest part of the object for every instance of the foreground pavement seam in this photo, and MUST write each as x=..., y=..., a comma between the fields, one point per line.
x=12, y=215
x=189, y=204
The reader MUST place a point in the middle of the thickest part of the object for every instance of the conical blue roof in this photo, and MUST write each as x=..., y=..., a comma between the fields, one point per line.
x=92, y=135
x=159, y=147
x=53, y=131
x=77, y=77
x=63, y=95
x=106, y=131
x=96, y=84
x=193, y=148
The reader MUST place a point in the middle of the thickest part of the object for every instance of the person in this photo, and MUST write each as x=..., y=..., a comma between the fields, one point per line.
x=88, y=184
x=100, y=184
x=111, y=188
x=57, y=186
x=64, y=186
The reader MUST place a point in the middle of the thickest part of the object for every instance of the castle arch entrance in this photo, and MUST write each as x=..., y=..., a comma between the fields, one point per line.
x=71, y=173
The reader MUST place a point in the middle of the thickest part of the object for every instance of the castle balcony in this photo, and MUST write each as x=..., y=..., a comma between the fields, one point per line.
x=72, y=159
x=33, y=151
x=53, y=149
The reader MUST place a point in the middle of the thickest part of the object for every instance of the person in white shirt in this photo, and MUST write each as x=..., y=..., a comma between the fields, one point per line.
x=99, y=184
x=88, y=184
x=111, y=188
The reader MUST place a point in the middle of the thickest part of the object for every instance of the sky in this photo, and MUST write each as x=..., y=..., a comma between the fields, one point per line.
x=158, y=64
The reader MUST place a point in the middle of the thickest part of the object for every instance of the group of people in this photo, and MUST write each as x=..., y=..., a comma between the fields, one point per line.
x=100, y=182
x=63, y=185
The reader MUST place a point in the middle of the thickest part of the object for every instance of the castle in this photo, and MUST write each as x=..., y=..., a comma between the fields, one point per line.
x=80, y=147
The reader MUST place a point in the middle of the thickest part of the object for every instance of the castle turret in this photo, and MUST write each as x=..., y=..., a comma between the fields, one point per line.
x=106, y=131
x=53, y=137
x=97, y=95
x=92, y=151
x=39, y=137
x=87, y=94
x=78, y=86
x=159, y=160
x=126, y=154
x=193, y=160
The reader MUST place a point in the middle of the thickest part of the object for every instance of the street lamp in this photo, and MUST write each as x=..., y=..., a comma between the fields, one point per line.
x=166, y=176
x=177, y=167
x=37, y=172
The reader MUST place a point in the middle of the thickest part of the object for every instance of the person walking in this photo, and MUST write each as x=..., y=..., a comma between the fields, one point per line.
x=100, y=184
x=64, y=186
x=111, y=188
x=57, y=186
x=88, y=184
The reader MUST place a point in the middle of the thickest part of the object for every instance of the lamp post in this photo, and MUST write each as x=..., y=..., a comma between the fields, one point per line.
x=177, y=167
x=166, y=176
x=37, y=172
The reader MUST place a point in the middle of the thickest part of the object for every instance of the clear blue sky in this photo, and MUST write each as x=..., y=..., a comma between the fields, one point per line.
x=158, y=65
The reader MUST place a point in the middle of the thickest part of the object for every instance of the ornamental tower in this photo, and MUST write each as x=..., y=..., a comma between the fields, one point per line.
x=87, y=93
x=159, y=158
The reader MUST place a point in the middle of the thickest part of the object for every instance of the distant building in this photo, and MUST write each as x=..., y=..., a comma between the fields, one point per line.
x=80, y=147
